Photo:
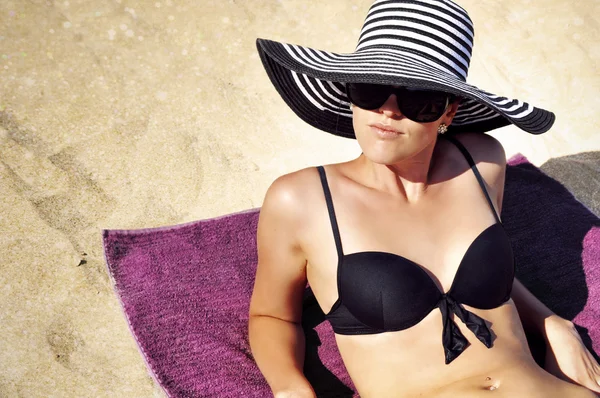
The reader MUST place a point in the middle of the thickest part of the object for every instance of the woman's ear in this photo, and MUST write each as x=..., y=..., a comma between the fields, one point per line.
x=452, y=109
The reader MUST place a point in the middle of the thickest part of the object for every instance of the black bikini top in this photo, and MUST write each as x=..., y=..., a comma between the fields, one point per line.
x=383, y=292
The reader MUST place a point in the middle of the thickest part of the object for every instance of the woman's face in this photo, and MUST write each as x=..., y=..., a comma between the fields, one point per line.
x=386, y=136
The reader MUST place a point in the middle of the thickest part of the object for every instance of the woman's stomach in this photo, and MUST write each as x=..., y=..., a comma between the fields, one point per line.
x=519, y=378
x=411, y=362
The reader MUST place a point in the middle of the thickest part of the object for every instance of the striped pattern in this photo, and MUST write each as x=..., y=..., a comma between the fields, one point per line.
x=416, y=43
x=438, y=31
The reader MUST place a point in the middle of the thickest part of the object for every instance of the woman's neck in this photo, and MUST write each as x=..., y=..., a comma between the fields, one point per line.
x=408, y=179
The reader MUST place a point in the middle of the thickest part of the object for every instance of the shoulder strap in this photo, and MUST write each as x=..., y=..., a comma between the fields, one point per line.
x=467, y=156
x=334, y=225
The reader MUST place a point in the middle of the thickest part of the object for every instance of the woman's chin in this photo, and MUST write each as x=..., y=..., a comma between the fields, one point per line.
x=383, y=156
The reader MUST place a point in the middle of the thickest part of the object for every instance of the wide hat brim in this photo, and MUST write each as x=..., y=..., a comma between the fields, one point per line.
x=312, y=83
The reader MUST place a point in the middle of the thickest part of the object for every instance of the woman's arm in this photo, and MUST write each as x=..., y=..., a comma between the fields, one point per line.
x=566, y=355
x=533, y=313
x=490, y=157
x=275, y=333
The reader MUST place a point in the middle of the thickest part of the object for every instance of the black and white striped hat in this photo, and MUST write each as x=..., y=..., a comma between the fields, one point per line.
x=415, y=43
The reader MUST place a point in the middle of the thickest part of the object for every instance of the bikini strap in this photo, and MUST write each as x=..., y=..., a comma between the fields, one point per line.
x=467, y=156
x=334, y=225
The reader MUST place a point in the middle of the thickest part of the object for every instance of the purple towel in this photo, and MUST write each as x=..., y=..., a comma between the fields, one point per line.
x=185, y=289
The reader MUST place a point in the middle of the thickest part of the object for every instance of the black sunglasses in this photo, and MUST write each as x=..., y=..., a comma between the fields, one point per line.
x=421, y=106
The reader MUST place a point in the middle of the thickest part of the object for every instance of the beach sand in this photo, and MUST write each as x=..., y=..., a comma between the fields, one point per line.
x=123, y=114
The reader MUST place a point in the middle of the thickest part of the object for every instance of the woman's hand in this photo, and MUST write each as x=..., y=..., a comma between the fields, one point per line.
x=566, y=356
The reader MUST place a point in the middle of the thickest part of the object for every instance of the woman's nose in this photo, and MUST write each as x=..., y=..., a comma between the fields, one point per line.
x=390, y=107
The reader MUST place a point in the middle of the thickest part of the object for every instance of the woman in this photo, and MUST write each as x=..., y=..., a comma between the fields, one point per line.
x=403, y=246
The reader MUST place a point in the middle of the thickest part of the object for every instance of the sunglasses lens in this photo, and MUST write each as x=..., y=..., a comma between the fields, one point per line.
x=368, y=96
x=423, y=106
x=418, y=105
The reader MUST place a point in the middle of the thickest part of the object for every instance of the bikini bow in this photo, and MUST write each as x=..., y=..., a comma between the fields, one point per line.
x=453, y=340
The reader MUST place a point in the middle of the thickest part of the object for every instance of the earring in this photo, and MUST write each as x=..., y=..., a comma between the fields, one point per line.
x=442, y=129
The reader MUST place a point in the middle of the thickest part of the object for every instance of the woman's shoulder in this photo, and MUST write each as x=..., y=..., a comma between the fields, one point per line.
x=293, y=193
x=485, y=149
x=489, y=156
x=292, y=185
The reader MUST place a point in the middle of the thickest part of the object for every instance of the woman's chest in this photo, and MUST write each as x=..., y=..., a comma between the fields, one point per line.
x=395, y=256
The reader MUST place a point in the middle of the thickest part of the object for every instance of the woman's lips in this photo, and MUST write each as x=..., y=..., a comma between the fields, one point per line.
x=385, y=130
